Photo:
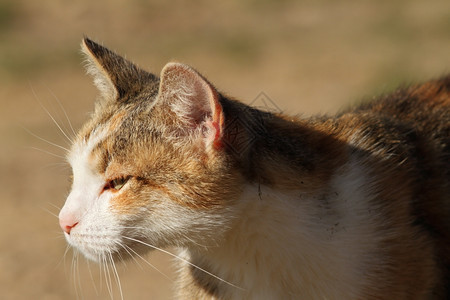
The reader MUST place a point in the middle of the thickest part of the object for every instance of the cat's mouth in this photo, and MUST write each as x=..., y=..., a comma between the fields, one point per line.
x=93, y=246
x=101, y=246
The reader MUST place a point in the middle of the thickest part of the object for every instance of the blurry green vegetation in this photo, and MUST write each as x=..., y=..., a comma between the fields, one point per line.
x=392, y=39
x=241, y=48
x=19, y=64
x=8, y=15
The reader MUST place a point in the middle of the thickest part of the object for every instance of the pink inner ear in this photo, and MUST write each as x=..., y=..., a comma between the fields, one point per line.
x=217, y=120
x=194, y=100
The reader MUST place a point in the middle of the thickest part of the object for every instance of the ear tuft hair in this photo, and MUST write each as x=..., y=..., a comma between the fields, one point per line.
x=113, y=75
x=94, y=54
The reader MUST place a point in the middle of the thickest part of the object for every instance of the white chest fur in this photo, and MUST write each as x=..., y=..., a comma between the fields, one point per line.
x=291, y=245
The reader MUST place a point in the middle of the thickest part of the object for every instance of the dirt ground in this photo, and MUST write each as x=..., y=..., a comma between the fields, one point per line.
x=308, y=57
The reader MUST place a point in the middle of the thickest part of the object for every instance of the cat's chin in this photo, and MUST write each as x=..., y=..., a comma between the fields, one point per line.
x=117, y=253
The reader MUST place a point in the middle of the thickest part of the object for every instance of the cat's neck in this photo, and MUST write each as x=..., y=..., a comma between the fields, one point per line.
x=283, y=152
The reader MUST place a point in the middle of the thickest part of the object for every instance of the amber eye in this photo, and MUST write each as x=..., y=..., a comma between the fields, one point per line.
x=116, y=184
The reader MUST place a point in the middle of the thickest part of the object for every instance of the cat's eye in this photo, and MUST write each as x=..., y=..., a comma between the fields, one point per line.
x=116, y=184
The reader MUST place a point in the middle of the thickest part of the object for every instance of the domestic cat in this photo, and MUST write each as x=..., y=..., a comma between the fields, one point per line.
x=263, y=205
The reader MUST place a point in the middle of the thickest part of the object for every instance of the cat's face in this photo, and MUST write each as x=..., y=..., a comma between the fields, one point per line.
x=149, y=167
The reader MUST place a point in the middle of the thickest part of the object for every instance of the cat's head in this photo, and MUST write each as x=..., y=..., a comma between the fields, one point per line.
x=150, y=166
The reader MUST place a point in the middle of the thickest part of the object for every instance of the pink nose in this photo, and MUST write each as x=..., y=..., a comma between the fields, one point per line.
x=67, y=223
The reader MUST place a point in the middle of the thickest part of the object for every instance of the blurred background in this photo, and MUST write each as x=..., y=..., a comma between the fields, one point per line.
x=308, y=57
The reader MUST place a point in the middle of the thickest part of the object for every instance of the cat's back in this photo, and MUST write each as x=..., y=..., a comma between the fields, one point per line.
x=411, y=123
x=425, y=107
x=406, y=134
x=414, y=123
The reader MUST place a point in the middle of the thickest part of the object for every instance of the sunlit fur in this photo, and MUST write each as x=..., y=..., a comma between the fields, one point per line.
x=264, y=206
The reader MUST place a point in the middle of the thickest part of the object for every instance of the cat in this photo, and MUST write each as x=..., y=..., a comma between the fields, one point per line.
x=263, y=205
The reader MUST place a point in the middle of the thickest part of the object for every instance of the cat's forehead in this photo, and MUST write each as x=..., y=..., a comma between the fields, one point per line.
x=116, y=134
x=112, y=116
x=100, y=127
x=82, y=148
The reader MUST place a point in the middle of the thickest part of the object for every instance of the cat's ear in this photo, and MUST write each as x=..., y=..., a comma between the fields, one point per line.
x=113, y=75
x=194, y=100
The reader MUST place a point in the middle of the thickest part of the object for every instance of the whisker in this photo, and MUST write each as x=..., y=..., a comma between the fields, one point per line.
x=64, y=111
x=48, y=211
x=75, y=273
x=44, y=140
x=108, y=277
x=100, y=269
x=194, y=242
x=62, y=166
x=118, y=253
x=47, y=152
x=103, y=271
x=80, y=286
x=65, y=255
x=148, y=263
x=116, y=274
x=55, y=206
x=58, y=235
x=63, y=260
x=50, y=115
x=185, y=261
x=92, y=278
x=125, y=247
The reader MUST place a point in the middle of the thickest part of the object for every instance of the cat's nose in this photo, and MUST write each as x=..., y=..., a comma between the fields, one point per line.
x=67, y=223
